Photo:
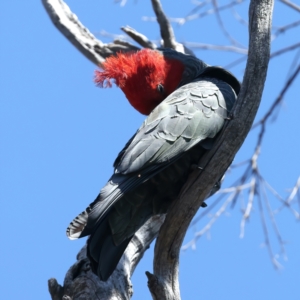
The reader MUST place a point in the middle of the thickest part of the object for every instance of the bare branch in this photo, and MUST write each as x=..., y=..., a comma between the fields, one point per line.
x=294, y=191
x=222, y=26
x=70, y=26
x=291, y=4
x=266, y=234
x=275, y=104
x=81, y=283
x=235, y=62
x=141, y=39
x=243, y=58
x=281, y=51
x=191, y=17
x=217, y=160
x=166, y=30
x=287, y=202
x=239, y=18
x=273, y=221
x=216, y=47
x=247, y=212
x=198, y=6
x=283, y=29
x=272, y=190
x=294, y=62
x=235, y=188
x=208, y=226
x=126, y=44
x=207, y=210
x=112, y=36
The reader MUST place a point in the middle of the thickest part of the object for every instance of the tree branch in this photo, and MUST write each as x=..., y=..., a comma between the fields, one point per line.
x=216, y=161
x=70, y=26
x=222, y=26
x=291, y=5
x=166, y=30
x=81, y=283
x=138, y=37
x=216, y=47
x=194, y=16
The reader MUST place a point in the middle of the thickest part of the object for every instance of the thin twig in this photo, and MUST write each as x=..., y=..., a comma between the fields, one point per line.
x=236, y=62
x=291, y=4
x=283, y=50
x=222, y=26
x=112, y=36
x=239, y=18
x=70, y=26
x=283, y=29
x=182, y=21
x=209, y=12
x=283, y=201
x=235, y=188
x=141, y=39
x=266, y=233
x=275, y=104
x=294, y=192
x=273, y=221
x=166, y=29
x=247, y=212
x=274, y=54
x=216, y=47
x=294, y=63
x=198, y=7
x=236, y=165
x=208, y=226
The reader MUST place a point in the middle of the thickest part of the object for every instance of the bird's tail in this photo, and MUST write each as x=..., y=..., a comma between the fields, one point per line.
x=87, y=221
x=102, y=252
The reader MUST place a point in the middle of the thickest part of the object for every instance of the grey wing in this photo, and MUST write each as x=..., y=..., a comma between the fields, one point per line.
x=193, y=114
x=188, y=116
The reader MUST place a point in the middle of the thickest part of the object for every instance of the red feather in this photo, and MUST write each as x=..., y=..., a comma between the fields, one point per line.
x=138, y=74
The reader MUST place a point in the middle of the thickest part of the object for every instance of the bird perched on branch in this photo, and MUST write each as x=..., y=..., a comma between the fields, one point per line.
x=187, y=102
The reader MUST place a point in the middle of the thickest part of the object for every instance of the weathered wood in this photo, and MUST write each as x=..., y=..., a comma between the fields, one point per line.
x=215, y=163
x=70, y=26
x=81, y=283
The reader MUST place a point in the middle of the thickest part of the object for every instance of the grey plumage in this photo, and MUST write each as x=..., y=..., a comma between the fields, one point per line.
x=154, y=165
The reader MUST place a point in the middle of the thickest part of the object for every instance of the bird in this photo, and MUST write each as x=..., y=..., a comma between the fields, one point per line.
x=186, y=102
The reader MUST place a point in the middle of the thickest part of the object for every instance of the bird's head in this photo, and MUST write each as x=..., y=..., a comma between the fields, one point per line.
x=146, y=77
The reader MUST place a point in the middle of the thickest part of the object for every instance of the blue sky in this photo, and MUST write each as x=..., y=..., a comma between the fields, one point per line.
x=60, y=135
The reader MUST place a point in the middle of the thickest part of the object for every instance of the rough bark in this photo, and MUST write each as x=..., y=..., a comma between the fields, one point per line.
x=80, y=282
x=70, y=26
x=164, y=283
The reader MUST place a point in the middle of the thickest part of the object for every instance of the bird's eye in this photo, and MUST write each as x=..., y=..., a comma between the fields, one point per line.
x=161, y=89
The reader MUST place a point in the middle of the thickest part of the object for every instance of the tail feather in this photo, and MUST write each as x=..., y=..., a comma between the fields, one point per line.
x=86, y=222
x=104, y=255
x=77, y=226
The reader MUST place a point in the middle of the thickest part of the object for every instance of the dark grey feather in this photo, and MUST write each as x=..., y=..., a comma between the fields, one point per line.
x=152, y=167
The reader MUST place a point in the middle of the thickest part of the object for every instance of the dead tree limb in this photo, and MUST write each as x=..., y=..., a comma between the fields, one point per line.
x=70, y=26
x=81, y=283
x=164, y=283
